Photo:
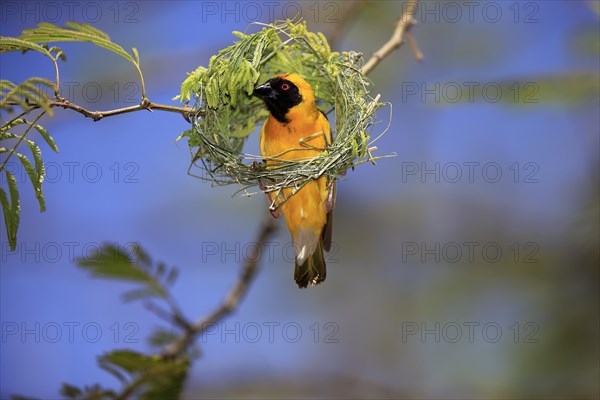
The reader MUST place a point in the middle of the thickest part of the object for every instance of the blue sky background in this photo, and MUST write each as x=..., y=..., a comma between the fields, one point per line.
x=375, y=290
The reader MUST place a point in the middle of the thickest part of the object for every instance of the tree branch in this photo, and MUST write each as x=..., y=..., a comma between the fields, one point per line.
x=402, y=31
x=144, y=105
x=235, y=295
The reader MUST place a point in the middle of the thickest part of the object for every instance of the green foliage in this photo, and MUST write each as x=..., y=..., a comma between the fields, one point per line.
x=36, y=171
x=112, y=262
x=29, y=94
x=162, y=337
x=227, y=113
x=587, y=42
x=570, y=89
x=8, y=44
x=594, y=6
x=567, y=89
x=146, y=377
x=11, y=210
x=93, y=392
x=37, y=93
x=74, y=32
x=142, y=376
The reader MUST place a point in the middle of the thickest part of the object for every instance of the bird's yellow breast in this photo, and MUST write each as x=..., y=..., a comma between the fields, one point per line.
x=300, y=139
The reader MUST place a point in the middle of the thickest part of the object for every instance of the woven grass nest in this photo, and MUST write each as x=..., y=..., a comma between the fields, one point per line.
x=226, y=112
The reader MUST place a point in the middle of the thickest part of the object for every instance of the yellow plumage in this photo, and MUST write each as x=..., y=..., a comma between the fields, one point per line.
x=303, y=134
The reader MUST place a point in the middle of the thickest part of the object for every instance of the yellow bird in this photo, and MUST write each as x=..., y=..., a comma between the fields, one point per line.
x=296, y=130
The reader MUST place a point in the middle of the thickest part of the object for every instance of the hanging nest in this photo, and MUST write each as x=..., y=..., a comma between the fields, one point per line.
x=226, y=112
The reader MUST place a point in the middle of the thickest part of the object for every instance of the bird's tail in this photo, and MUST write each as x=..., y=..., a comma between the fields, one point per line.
x=312, y=269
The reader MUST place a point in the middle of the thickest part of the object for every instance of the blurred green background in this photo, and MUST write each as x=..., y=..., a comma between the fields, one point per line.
x=464, y=267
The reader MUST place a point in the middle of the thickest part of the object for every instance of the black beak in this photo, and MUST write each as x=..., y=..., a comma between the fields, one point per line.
x=263, y=91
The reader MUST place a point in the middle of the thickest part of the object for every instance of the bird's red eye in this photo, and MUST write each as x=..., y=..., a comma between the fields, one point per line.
x=285, y=86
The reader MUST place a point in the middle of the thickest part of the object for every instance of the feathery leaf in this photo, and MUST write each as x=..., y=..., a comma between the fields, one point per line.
x=11, y=210
x=49, y=140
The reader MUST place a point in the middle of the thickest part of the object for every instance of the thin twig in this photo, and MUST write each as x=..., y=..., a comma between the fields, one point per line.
x=98, y=115
x=235, y=295
x=403, y=26
x=173, y=316
x=414, y=47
